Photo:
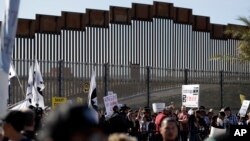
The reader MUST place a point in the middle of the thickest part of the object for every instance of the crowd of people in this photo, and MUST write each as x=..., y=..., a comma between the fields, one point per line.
x=80, y=123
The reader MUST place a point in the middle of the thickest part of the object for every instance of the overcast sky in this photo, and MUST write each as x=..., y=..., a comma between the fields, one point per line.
x=219, y=11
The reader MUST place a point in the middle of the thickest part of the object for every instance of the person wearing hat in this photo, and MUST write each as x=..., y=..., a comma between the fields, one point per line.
x=162, y=115
x=72, y=123
x=13, y=124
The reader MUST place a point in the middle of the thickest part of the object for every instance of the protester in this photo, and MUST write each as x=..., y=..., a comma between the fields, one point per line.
x=143, y=129
x=169, y=130
x=29, y=124
x=71, y=123
x=232, y=119
x=152, y=128
x=193, y=123
x=121, y=137
x=13, y=124
x=183, y=119
x=131, y=122
x=117, y=119
x=222, y=121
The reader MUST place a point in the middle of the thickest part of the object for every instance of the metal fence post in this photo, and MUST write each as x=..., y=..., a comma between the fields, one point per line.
x=148, y=86
x=106, y=79
x=221, y=89
x=185, y=76
x=60, y=78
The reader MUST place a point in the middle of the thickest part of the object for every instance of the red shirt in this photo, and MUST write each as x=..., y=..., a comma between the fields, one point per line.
x=158, y=120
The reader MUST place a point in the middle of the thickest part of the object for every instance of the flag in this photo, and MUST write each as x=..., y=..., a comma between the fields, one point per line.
x=38, y=87
x=38, y=80
x=30, y=84
x=8, y=33
x=242, y=98
x=92, y=97
x=37, y=99
x=12, y=72
x=23, y=105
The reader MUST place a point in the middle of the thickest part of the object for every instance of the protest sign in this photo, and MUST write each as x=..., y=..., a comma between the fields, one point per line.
x=244, y=107
x=158, y=107
x=190, y=95
x=110, y=101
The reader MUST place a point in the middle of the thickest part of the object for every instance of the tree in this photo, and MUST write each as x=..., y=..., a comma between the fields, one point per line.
x=243, y=34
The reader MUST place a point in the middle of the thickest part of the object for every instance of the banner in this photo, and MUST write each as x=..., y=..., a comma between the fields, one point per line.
x=8, y=34
x=110, y=101
x=244, y=107
x=190, y=95
x=57, y=101
x=158, y=107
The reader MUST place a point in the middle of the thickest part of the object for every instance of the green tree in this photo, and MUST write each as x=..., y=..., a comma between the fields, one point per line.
x=243, y=34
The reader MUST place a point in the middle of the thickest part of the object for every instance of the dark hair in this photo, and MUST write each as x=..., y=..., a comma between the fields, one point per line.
x=67, y=120
x=168, y=120
x=29, y=118
x=16, y=119
x=227, y=109
x=222, y=114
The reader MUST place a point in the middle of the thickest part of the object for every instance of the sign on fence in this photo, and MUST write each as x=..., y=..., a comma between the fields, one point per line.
x=158, y=107
x=57, y=101
x=190, y=95
x=110, y=101
x=86, y=87
x=244, y=107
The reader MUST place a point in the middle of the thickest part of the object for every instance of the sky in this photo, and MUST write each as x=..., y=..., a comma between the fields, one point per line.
x=219, y=11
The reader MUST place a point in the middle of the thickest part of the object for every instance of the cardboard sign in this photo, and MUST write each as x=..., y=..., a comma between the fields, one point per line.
x=244, y=107
x=190, y=95
x=110, y=101
x=57, y=101
x=158, y=107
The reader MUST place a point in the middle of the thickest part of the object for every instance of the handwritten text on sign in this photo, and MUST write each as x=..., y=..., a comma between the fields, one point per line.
x=190, y=95
x=110, y=101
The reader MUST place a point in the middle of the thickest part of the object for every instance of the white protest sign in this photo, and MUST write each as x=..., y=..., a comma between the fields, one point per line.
x=158, y=107
x=190, y=95
x=110, y=101
x=110, y=92
x=244, y=107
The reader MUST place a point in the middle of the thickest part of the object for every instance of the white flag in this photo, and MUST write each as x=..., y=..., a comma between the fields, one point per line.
x=37, y=99
x=39, y=84
x=30, y=83
x=92, y=97
x=21, y=106
x=8, y=33
x=12, y=72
